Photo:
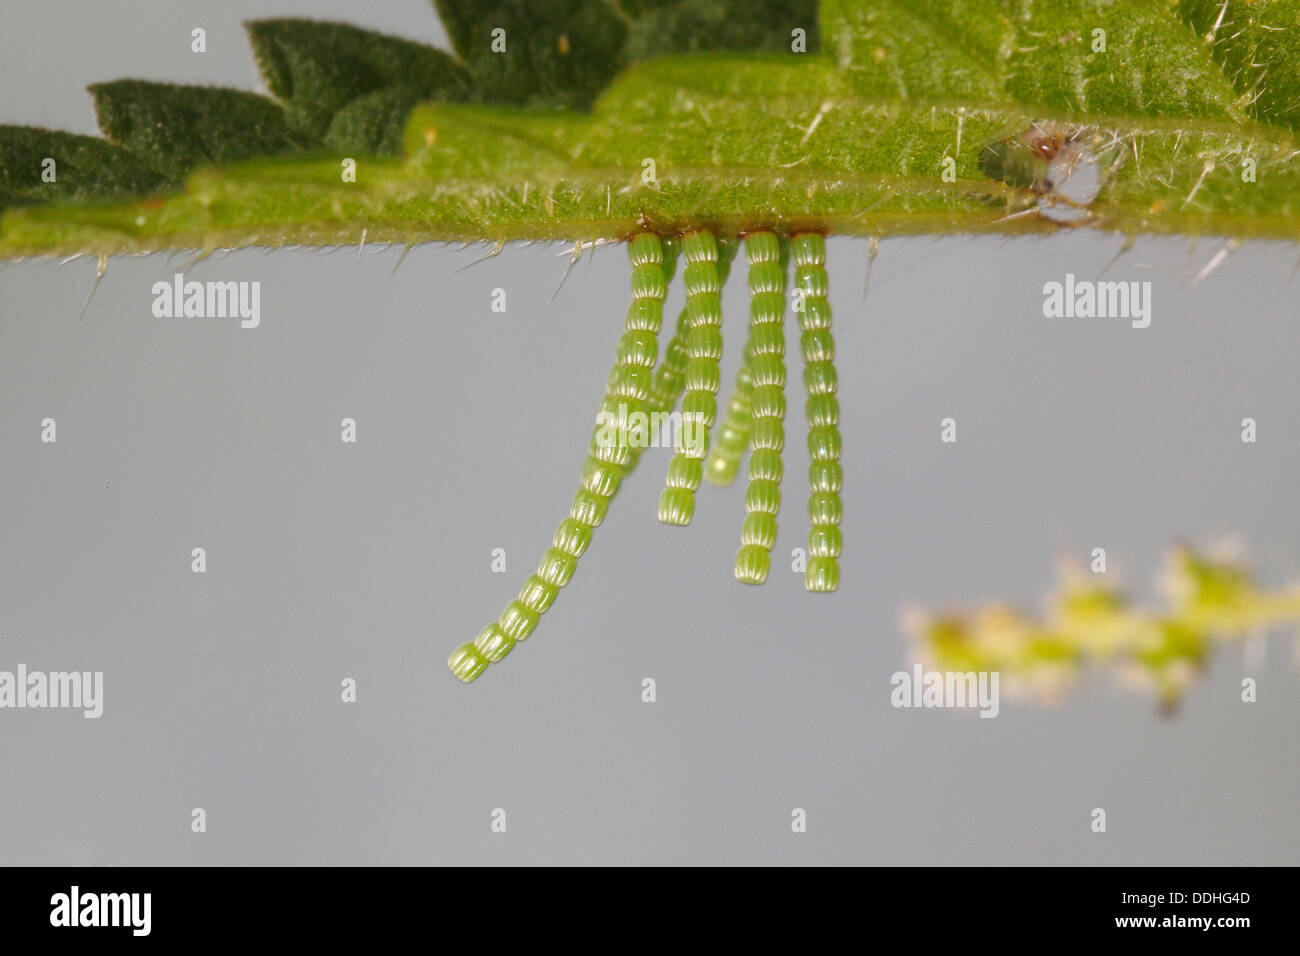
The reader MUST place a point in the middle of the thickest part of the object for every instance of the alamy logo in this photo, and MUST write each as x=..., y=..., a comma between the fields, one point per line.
x=208, y=300
x=633, y=428
x=1085, y=299
x=923, y=688
x=82, y=690
x=75, y=908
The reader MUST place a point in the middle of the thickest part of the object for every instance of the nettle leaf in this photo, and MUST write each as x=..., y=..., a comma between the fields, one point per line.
x=659, y=27
x=177, y=128
x=81, y=168
x=918, y=117
x=374, y=123
x=1258, y=45
x=559, y=53
x=1040, y=55
x=319, y=69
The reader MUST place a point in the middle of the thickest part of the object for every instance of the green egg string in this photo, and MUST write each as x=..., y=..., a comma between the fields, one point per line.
x=700, y=402
x=689, y=372
x=606, y=463
x=823, y=411
x=765, y=373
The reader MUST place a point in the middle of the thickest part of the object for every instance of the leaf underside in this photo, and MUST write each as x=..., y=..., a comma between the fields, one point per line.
x=600, y=119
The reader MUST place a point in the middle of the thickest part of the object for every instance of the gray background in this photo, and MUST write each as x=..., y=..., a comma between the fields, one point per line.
x=372, y=560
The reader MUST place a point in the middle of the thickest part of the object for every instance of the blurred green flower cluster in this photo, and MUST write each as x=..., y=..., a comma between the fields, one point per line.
x=1209, y=602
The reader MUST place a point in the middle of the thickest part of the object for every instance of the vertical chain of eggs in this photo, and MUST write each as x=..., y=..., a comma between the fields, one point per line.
x=766, y=350
x=825, y=478
x=702, y=377
x=670, y=375
x=723, y=463
x=607, y=462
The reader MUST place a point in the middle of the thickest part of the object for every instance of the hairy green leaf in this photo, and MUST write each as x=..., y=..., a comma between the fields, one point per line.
x=1258, y=45
x=1039, y=55
x=374, y=123
x=321, y=68
x=660, y=27
x=177, y=128
x=83, y=168
x=919, y=116
x=559, y=53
